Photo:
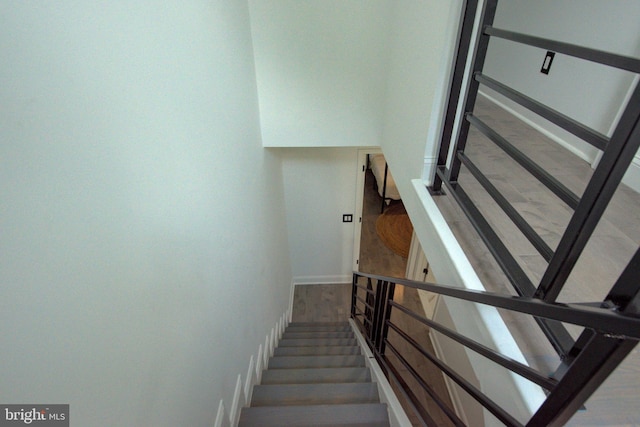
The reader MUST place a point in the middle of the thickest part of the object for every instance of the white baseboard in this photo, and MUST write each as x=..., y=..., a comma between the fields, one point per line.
x=221, y=419
x=397, y=415
x=322, y=280
x=257, y=362
x=237, y=403
x=632, y=177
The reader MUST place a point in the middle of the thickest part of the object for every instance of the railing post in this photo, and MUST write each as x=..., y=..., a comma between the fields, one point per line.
x=378, y=315
x=470, y=99
x=368, y=312
x=596, y=355
x=387, y=316
x=354, y=293
x=464, y=41
x=601, y=356
x=615, y=161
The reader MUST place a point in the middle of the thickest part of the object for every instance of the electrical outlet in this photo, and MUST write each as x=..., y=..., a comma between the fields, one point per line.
x=347, y=218
x=546, y=64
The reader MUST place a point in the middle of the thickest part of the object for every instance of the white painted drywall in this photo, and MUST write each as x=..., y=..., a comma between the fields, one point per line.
x=320, y=186
x=423, y=35
x=320, y=70
x=590, y=93
x=143, y=249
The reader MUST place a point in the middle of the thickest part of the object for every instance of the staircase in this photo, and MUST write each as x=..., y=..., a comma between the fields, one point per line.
x=316, y=377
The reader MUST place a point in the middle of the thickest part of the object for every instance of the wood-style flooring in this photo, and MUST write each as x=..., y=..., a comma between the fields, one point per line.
x=615, y=240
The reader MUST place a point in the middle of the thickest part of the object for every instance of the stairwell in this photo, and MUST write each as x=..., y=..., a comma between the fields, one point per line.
x=316, y=377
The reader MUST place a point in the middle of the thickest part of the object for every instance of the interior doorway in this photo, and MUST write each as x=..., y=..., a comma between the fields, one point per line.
x=371, y=255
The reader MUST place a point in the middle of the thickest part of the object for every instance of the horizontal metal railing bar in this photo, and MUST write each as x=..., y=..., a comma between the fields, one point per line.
x=543, y=176
x=364, y=317
x=555, y=332
x=578, y=129
x=518, y=278
x=614, y=163
x=366, y=304
x=507, y=362
x=594, y=55
x=508, y=208
x=391, y=372
x=359, y=312
x=478, y=395
x=425, y=386
x=599, y=319
x=364, y=288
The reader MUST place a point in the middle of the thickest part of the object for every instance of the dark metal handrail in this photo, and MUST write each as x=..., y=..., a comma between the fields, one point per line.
x=613, y=332
x=618, y=151
x=533, y=237
x=607, y=320
x=533, y=168
x=594, y=55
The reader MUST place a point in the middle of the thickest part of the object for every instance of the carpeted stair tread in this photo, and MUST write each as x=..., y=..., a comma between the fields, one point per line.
x=316, y=375
x=318, y=324
x=349, y=415
x=317, y=350
x=317, y=342
x=319, y=327
x=314, y=394
x=317, y=334
x=290, y=362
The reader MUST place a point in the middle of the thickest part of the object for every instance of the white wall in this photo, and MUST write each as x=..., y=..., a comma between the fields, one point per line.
x=143, y=255
x=590, y=93
x=320, y=186
x=320, y=71
x=422, y=41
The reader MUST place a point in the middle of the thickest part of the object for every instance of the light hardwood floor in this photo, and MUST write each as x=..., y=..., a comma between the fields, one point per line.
x=615, y=240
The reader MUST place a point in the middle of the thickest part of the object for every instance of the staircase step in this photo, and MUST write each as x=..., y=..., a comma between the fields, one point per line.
x=320, y=350
x=316, y=334
x=323, y=324
x=290, y=362
x=315, y=375
x=293, y=327
x=314, y=394
x=366, y=414
x=317, y=342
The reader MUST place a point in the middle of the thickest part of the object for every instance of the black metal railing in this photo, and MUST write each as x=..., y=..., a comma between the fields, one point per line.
x=588, y=208
x=614, y=331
